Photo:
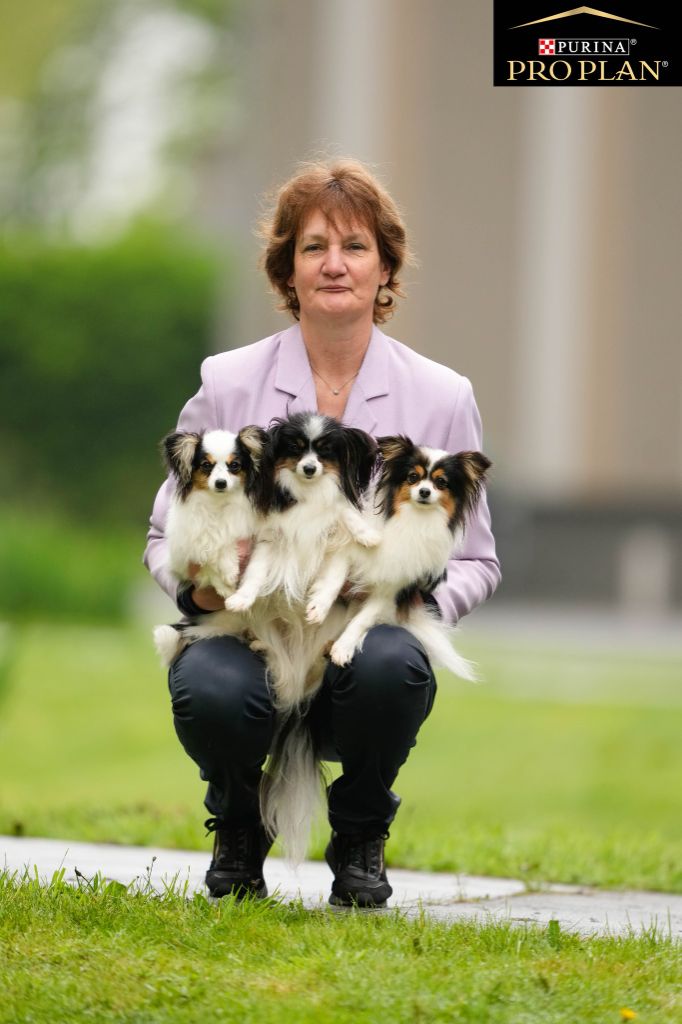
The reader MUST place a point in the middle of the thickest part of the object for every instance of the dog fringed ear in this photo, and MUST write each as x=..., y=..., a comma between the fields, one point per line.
x=254, y=440
x=178, y=450
x=474, y=467
x=361, y=457
x=259, y=471
x=394, y=447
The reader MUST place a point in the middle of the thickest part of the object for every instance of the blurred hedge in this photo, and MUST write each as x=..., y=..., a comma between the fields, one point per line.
x=99, y=349
x=54, y=569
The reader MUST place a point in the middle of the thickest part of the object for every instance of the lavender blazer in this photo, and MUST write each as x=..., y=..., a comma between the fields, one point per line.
x=397, y=391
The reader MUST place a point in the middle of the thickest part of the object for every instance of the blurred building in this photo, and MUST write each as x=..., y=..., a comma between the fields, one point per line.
x=547, y=223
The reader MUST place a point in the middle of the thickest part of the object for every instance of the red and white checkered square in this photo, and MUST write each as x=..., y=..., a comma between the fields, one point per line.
x=545, y=46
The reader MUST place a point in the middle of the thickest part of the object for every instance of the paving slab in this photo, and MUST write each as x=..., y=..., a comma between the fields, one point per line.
x=442, y=896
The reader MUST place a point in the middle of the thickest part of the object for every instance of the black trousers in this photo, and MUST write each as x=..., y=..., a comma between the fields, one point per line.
x=366, y=716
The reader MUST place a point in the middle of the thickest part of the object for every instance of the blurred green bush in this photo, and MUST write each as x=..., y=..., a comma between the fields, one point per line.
x=53, y=568
x=99, y=349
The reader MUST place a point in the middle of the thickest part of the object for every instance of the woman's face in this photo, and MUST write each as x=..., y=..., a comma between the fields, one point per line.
x=337, y=270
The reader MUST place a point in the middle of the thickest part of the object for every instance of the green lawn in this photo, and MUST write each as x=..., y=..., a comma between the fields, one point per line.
x=111, y=956
x=570, y=786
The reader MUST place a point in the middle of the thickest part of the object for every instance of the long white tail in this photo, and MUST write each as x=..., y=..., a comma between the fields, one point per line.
x=168, y=643
x=436, y=639
x=292, y=788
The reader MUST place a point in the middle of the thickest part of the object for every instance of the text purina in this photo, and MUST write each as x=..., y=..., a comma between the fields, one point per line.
x=581, y=71
x=607, y=47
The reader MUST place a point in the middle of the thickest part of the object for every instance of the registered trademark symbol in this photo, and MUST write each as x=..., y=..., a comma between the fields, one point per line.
x=664, y=63
x=633, y=42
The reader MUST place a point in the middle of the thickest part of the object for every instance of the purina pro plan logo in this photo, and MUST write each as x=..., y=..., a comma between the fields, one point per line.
x=540, y=43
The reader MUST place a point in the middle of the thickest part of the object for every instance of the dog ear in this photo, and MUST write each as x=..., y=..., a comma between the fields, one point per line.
x=179, y=449
x=361, y=457
x=395, y=447
x=472, y=468
x=254, y=440
x=474, y=465
x=260, y=467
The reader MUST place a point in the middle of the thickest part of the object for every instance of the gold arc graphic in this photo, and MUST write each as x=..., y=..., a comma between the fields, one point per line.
x=583, y=10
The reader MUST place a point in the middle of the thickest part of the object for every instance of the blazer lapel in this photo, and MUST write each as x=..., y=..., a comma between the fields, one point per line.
x=293, y=374
x=371, y=382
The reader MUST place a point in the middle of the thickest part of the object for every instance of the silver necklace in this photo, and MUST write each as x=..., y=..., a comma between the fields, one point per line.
x=334, y=391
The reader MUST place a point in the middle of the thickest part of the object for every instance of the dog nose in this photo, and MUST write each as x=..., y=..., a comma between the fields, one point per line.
x=220, y=485
x=309, y=469
x=424, y=492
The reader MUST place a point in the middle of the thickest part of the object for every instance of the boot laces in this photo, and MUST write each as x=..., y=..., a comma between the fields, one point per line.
x=365, y=853
x=234, y=846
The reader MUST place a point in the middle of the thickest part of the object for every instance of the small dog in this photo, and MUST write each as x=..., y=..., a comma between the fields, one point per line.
x=424, y=497
x=217, y=502
x=314, y=475
x=320, y=471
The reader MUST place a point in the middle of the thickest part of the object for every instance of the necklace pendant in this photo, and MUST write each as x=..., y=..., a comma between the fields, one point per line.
x=335, y=391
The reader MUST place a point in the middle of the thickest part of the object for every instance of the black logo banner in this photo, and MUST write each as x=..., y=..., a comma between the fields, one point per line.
x=614, y=43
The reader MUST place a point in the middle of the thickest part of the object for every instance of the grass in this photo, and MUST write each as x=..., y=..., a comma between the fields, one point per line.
x=546, y=789
x=104, y=953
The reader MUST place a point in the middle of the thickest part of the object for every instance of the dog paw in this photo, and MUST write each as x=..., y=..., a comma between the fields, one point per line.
x=238, y=603
x=341, y=654
x=368, y=537
x=315, y=613
x=258, y=646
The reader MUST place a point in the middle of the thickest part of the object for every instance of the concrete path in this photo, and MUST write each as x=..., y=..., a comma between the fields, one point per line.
x=443, y=896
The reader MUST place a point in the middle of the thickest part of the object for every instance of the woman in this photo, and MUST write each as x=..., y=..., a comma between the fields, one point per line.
x=335, y=245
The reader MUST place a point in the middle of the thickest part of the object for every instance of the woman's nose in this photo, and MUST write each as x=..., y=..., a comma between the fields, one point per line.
x=334, y=262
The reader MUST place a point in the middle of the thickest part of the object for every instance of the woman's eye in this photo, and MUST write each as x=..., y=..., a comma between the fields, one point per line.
x=313, y=247
x=356, y=245
x=412, y=477
x=235, y=466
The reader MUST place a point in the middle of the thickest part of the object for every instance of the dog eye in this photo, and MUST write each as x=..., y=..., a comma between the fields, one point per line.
x=235, y=466
x=412, y=478
x=440, y=483
x=206, y=466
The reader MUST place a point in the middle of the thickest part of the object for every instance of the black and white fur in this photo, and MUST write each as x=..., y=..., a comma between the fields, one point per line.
x=315, y=474
x=318, y=471
x=216, y=503
x=423, y=498
x=422, y=502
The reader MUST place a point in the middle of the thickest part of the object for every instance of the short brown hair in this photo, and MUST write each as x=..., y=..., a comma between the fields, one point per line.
x=343, y=189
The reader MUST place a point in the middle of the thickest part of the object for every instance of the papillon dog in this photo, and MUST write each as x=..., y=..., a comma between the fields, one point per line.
x=422, y=501
x=320, y=471
x=423, y=498
x=216, y=503
x=315, y=473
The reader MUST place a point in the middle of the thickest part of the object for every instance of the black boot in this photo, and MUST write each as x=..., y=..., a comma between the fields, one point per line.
x=359, y=874
x=238, y=855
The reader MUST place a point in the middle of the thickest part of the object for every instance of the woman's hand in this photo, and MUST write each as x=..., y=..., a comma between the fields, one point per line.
x=207, y=598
